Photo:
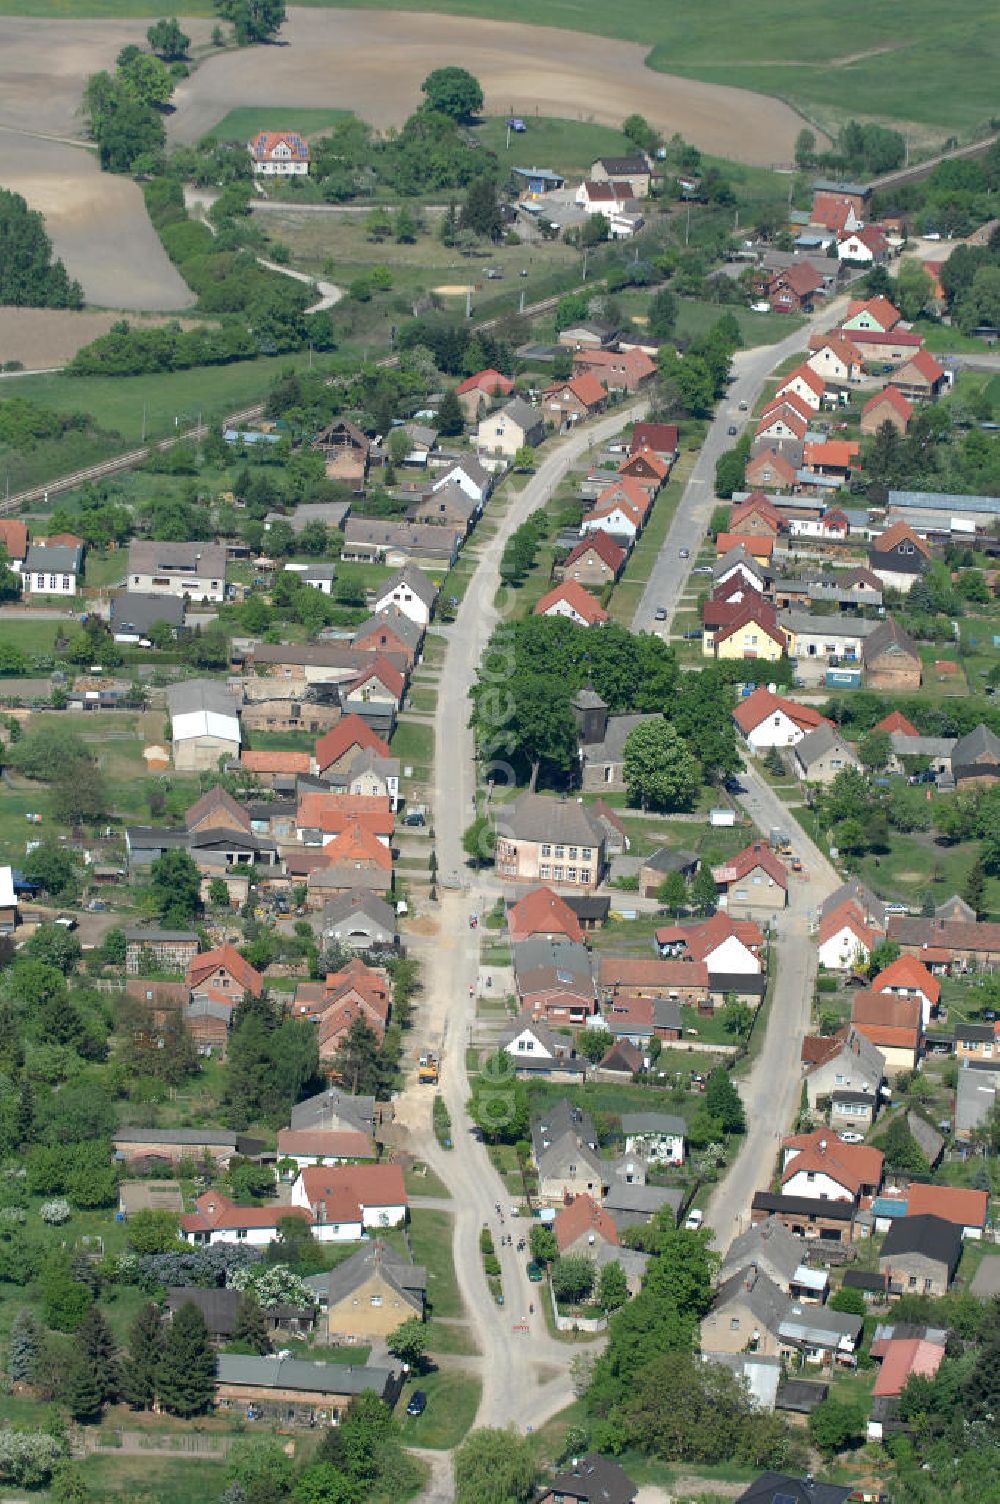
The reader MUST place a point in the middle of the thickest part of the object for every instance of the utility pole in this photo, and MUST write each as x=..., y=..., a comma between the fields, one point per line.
x=144, y=422
x=687, y=225
x=520, y=306
x=468, y=302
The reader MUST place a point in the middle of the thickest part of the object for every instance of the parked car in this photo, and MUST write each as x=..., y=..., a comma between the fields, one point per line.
x=694, y=1219
x=743, y=407
x=684, y=553
x=692, y=634
x=850, y=1137
x=535, y=1272
x=732, y=430
x=418, y=1403
x=702, y=569
x=661, y=613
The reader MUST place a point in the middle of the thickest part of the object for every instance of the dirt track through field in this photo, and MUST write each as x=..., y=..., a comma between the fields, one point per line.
x=373, y=62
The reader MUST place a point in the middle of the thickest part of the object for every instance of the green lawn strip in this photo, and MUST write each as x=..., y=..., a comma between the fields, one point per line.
x=183, y=1480
x=452, y=1402
x=695, y=319
x=241, y=124
x=567, y=146
x=420, y=1180
x=31, y=635
x=413, y=742
x=451, y=1340
x=430, y=1234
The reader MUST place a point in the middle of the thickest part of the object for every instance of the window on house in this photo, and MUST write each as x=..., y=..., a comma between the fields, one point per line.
x=557, y=873
x=585, y=874
x=571, y=874
x=65, y=583
x=586, y=853
x=376, y=1300
x=560, y=851
x=572, y=853
x=52, y=582
x=546, y=849
x=544, y=870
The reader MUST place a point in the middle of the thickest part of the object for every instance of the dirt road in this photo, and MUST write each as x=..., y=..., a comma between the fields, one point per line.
x=373, y=62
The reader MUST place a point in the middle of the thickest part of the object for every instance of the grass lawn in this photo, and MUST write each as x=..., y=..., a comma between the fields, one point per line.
x=241, y=124
x=567, y=146
x=452, y=1402
x=452, y=1339
x=119, y=403
x=31, y=635
x=430, y=1242
x=153, y=1480
x=696, y=318
x=413, y=743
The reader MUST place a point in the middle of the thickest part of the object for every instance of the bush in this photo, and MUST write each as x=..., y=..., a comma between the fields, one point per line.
x=55, y=1212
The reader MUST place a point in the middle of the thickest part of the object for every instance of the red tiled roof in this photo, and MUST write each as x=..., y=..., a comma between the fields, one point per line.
x=357, y=1185
x=216, y=1212
x=751, y=615
x=488, y=381
x=964, y=1208
x=896, y=722
x=757, y=854
x=626, y=488
x=881, y=310
x=585, y=388
x=580, y=601
x=886, y=1019
x=901, y=339
x=600, y=543
x=582, y=1215
x=649, y=457
x=756, y=544
x=660, y=437
x=901, y=1357
x=850, y=1165
x=636, y=971
x=871, y=237
x=841, y=345
x=817, y=1049
x=349, y=732
x=791, y=400
x=357, y=843
x=847, y=915
x=781, y=468
x=907, y=971
x=333, y=812
x=702, y=940
x=782, y=412
x=13, y=537
x=263, y=144
x=228, y=958
x=895, y=399
x=266, y=760
x=803, y=373
x=800, y=277
x=899, y=532
x=760, y=704
x=381, y=669
x=925, y=363
x=838, y=452
x=542, y=912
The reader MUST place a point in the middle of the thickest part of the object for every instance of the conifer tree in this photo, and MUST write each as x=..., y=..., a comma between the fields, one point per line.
x=185, y=1378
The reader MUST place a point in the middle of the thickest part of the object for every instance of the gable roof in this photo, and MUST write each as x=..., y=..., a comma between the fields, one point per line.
x=821, y=1151
x=757, y=854
x=542, y=912
x=600, y=543
x=649, y=457
x=660, y=437
x=14, y=537
x=840, y=344
x=761, y=704
x=584, y=386
x=703, y=939
x=538, y=817
x=350, y=731
x=263, y=144
x=580, y=601
x=415, y=579
x=782, y=1488
x=895, y=723
x=887, y=1020
x=782, y=469
x=229, y=958
x=847, y=915
x=783, y=411
x=271, y=760
x=839, y=453
x=879, y=308
x=593, y=1480
x=374, y=1257
x=907, y=971
x=800, y=277
x=896, y=533
x=348, y=1189
x=893, y=396
x=213, y=802
x=582, y=1215
x=488, y=381
x=963, y=1207
x=755, y=544
x=889, y=637
x=903, y=1356
x=804, y=373
x=923, y=1232
x=751, y=614
x=816, y=744
x=924, y=362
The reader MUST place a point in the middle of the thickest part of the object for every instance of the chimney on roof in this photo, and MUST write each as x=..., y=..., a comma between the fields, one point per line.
x=822, y=1146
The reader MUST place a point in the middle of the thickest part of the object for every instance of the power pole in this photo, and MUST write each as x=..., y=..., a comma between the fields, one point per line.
x=468, y=302
x=687, y=226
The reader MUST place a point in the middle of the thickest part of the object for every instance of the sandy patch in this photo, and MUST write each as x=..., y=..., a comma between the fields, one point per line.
x=374, y=62
x=43, y=337
x=455, y=289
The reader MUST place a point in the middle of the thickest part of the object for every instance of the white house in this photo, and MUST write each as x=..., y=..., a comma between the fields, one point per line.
x=866, y=246
x=51, y=569
x=323, y=1146
x=411, y=592
x=768, y=720
x=281, y=154
x=197, y=570
x=470, y=477
x=317, y=576
x=219, y=1220
x=657, y=1137
x=615, y=517
x=837, y=360
x=820, y=1167
x=8, y=902
x=503, y=433
x=806, y=384
x=346, y=1201
x=844, y=940
x=608, y=198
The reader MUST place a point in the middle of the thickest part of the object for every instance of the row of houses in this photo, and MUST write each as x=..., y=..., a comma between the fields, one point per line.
x=47, y=565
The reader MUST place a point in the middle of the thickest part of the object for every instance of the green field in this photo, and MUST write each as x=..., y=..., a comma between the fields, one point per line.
x=240, y=124
x=563, y=145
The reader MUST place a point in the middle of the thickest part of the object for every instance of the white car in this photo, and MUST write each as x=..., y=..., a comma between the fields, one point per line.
x=694, y=1219
x=848, y=1137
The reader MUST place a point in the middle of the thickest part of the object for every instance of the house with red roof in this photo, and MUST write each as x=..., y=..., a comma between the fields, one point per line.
x=769, y=470
x=900, y=1358
x=571, y=600
x=617, y=370
x=337, y=748
x=271, y=766
x=870, y=314
x=216, y=1219
x=782, y=422
x=479, y=390
x=896, y=724
x=836, y=358
x=844, y=940
x=908, y=977
x=646, y=469
x=597, y=560
x=867, y=247
x=805, y=384
x=752, y=882
x=751, y=633
x=346, y=1201
x=794, y=289
x=281, y=154
x=378, y=683
x=14, y=540
x=921, y=378
x=835, y=457
x=755, y=515
x=892, y=1024
x=727, y=946
x=322, y=816
x=222, y=973
x=638, y=978
x=542, y=912
x=836, y=211
x=759, y=546
x=887, y=406
x=579, y=1222
x=765, y=719
x=324, y=1146
x=661, y=438
x=617, y=516
x=966, y=1209
x=566, y=402
x=727, y=605
x=818, y=1166
x=898, y=556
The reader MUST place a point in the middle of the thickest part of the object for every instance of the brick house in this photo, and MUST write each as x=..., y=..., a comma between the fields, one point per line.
x=596, y=561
